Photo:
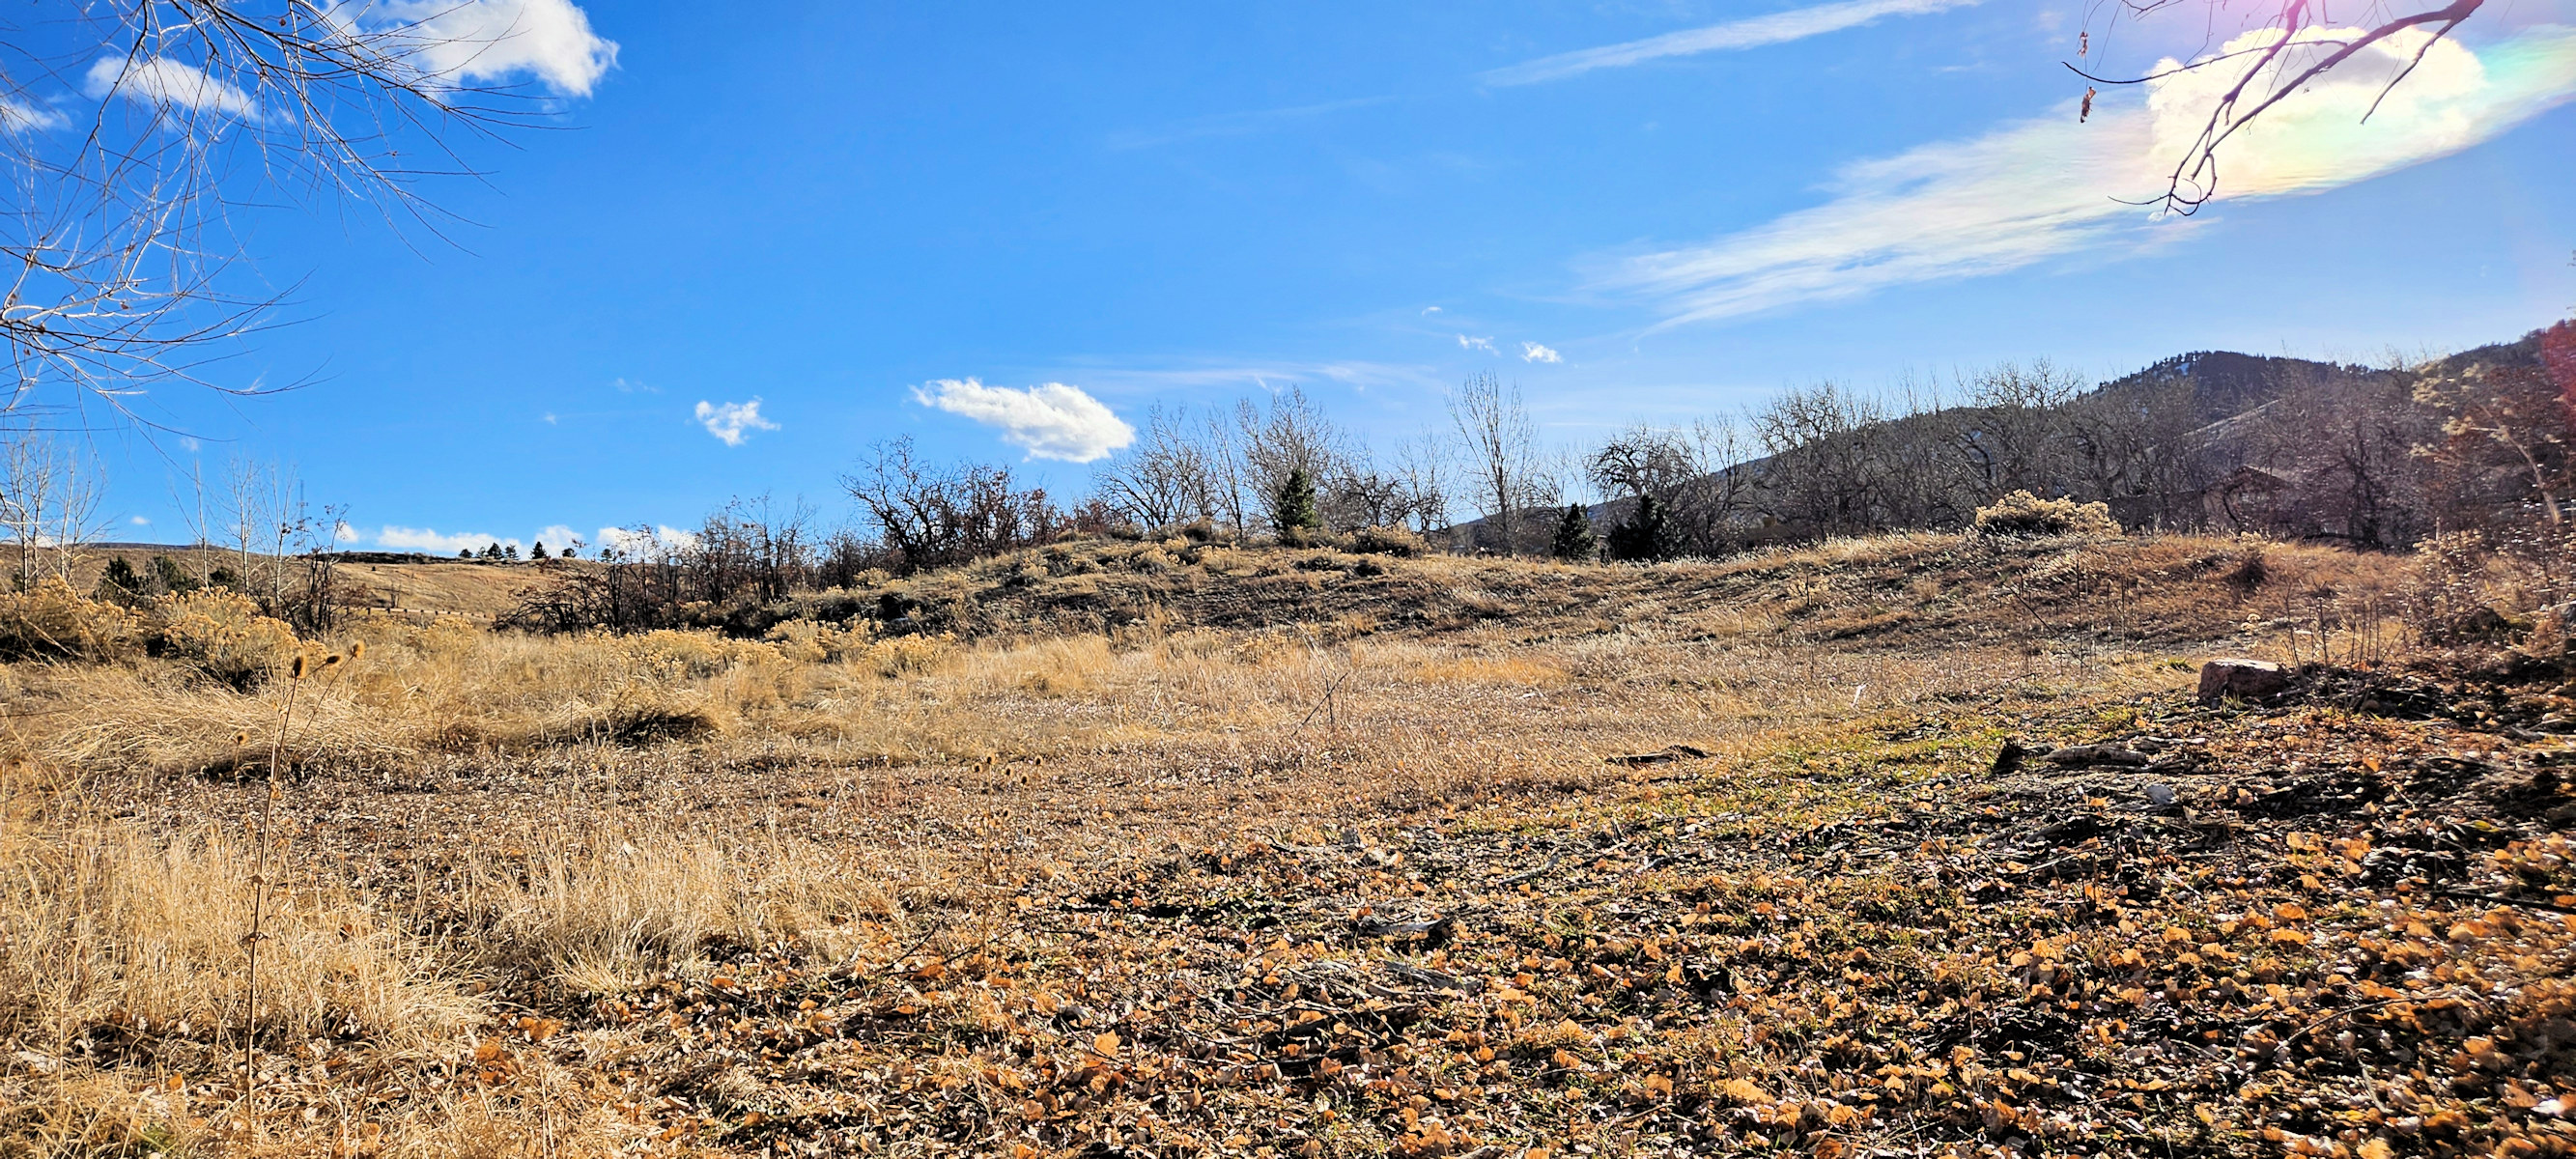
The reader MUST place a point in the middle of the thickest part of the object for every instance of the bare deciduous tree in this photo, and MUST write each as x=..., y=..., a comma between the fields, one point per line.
x=1169, y=476
x=1507, y=469
x=930, y=516
x=49, y=497
x=1827, y=470
x=133, y=131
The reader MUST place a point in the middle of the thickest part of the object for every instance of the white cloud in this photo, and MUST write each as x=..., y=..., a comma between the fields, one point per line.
x=557, y=536
x=140, y=521
x=625, y=387
x=1484, y=344
x=464, y=42
x=424, y=539
x=1427, y=311
x=166, y=83
x=1776, y=28
x=1533, y=352
x=2034, y=190
x=19, y=117
x=644, y=543
x=342, y=532
x=733, y=422
x=1049, y=421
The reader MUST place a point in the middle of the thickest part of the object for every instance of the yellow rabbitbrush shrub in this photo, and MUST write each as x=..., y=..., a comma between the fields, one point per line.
x=224, y=633
x=2022, y=513
x=50, y=619
x=815, y=642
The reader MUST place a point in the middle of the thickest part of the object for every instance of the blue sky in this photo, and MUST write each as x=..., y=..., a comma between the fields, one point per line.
x=1635, y=211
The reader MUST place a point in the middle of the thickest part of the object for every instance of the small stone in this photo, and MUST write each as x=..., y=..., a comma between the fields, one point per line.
x=2160, y=795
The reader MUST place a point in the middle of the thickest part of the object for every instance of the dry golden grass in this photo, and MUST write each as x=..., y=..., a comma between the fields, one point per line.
x=490, y=835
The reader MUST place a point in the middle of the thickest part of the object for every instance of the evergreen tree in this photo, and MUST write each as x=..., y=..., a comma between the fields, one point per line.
x=1574, y=540
x=510, y=552
x=118, y=584
x=539, y=551
x=464, y=553
x=1648, y=534
x=173, y=578
x=492, y=551
x=1294, y=508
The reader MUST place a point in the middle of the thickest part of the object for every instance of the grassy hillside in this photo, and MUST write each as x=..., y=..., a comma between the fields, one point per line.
x=451, y=587
x=1162, y=849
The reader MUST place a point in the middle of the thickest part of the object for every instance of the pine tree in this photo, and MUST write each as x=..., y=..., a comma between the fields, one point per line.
x=464, y=553
x=1574, y=539
x=173, y=578
x=492, y=551
x=1647, y=536
x=510, y=552
x=119, y=584
x=539, y=551
x=1294, y=508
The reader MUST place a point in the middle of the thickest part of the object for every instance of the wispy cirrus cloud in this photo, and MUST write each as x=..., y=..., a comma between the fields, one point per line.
x=1049, y=421
x=2034, y=190
x=1734, y=35
x=1484, y=344
x=1534, y=352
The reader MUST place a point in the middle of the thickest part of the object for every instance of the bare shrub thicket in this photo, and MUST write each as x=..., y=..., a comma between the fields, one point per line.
x=929, y=515
x=1228, y=468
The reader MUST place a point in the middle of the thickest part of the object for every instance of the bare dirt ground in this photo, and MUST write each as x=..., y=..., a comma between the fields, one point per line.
x=1903, y=846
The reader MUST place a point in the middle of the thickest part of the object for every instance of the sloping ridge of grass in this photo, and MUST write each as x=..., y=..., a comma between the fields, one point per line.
x=1902, y=589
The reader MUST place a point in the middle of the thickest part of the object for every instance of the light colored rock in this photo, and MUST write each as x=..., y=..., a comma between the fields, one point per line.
x=2242, y=679
x=2096, y=754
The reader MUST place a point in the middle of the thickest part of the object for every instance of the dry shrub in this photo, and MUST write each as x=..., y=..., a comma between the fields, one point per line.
x=1386, y=541
x=606, y=914
x=909, y=655
x=50, y=619
x=638, y=714
x=99, y=923
x=2496, y=586
x=2022, y=513
x=815, y=642
x=225, y=635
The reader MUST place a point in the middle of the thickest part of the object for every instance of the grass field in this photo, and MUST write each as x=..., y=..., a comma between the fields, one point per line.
x=1181, y=849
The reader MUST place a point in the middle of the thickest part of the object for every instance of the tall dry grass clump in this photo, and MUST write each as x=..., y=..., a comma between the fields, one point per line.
x=102, y=924
x=606, y=912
